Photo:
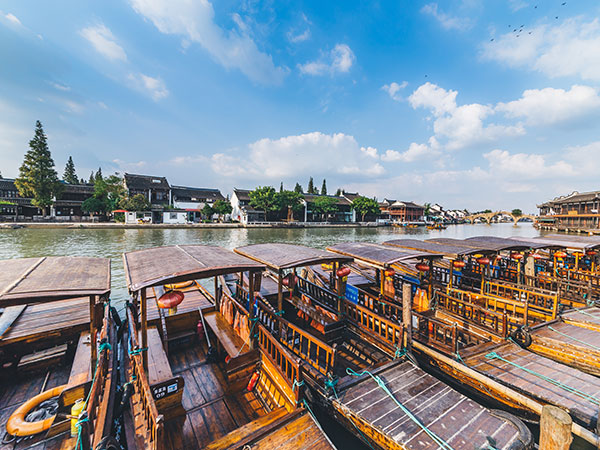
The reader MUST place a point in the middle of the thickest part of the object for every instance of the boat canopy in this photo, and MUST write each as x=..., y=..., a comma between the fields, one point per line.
x=568, y=242
x=288, y=256
x=490, y=243
x=52, y=278
x=451, y=251
x=175, y=264
x=380, y=256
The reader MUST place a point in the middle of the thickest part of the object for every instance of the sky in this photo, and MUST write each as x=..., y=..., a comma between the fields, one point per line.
x=468, y=104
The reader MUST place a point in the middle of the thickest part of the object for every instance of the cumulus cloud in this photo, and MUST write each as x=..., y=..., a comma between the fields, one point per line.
x=104, y=42
x=338, y=60
x=155, y=87
x=549, y=106
x=447, y=21
x=571, y=48
x=370, y=151
x=393, y=89
x=528, y=165
x=195, y=22
x=415, y=151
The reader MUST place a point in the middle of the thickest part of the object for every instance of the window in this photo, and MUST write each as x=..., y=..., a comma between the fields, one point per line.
x=156, y=181
x=172, y=216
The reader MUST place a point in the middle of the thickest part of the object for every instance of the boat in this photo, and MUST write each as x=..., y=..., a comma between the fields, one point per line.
x=58, y=347
x=437, y=226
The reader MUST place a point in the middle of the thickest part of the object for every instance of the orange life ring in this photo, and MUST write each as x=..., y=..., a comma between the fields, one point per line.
x=181, y=285
x=18, y=426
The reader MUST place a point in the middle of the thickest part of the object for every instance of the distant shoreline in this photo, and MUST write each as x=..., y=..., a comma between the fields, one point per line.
x=117, y=226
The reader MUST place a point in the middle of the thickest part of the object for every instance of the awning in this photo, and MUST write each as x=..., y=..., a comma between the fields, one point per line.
x=448, y=250
x=381, y=256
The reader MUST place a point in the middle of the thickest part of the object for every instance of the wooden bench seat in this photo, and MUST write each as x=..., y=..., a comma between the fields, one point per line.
x=81, y=370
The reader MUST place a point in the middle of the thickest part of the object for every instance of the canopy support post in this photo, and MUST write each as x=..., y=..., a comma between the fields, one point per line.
x=94, y=349
x=280, y=298
x=451, y=273
x=144, y=320
x=251, y=301
x=430, y=287
x=407, y=314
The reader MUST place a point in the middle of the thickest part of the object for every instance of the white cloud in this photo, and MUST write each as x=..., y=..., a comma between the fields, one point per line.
x=195, y=22
x=370, y=151
x=60, y=87
x=295, y=38
x=338, y=60
x=549, y=106
x=104, y=42
x=415, y=151
x=447, y=21
x=153, y=86
x=394, y=88
x=569, y=49
x=526, y=165
x=12, y=18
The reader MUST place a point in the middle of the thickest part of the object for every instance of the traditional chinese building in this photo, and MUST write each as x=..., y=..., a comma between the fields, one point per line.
x=400, y=211
x=574, y=212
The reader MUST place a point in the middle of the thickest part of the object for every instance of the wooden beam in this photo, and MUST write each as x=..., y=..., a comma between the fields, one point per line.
x=144, y=320
x=280, y=299
x=94, y=353
x=407, y=314
x=555, y=429
x=251, y=300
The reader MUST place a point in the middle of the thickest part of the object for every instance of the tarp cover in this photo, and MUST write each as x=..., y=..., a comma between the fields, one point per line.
x=161, y=265
x=38, y=280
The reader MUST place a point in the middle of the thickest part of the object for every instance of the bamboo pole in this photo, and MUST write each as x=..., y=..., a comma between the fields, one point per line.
x=555, y=429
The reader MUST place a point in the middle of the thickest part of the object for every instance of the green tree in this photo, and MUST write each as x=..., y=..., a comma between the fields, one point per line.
x=364, y=205
x=138, y=202
x=93, y=205
x=325, y=206
x=207, y=211
x=324, y=187
x=298, y=188
x=263, y=198
x=485, y=211
x=92, y=178
x=98, y=176
x=517, y=212
x=109, y=195
x=281, y=187
x=338, y=193
x=311, y=189
x=69, y=175
x=427, y=210
x=37, y=177
x=0, y=175
x=290, y=201
x=222, y=208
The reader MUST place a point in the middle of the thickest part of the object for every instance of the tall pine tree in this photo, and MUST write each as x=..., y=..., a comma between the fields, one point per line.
x=69, y=175
x=311, y=189
x=92, y=178
x=324, y=187
x=99, y=176
x=298, y=188
x=338, y=193
x=281, y=187
x=37, y=178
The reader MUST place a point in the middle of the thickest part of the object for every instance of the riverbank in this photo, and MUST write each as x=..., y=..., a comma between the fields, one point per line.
x=175, y=226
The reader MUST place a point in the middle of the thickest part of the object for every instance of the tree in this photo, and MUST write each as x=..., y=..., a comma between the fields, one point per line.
x=485, y=211
x=311, y=189
x=338, y=193
x=98, y=176
x=281, y=187
x=517, y=212
x=427, y=210
x=207, y=211
x=82, y=181
x=109, y=194
x=93, y=205
x=222, y=208
x=92, y=178
x=263, y=198
x=290, y=201
x=325, y=206
x=364, y=205
x=298, y=188
x=37, y=177
x=138, y=202
x=0, y=175
x=324, y=187
x=69, y=175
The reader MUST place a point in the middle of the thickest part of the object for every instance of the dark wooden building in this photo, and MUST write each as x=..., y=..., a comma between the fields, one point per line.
x=156, y=189
x=400, y=211
x=575, y=212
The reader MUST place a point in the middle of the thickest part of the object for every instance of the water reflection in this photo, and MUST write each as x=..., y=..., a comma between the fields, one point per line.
x=30, y=242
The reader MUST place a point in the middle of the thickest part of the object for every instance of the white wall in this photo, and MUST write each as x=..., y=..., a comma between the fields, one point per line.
x=175, y=217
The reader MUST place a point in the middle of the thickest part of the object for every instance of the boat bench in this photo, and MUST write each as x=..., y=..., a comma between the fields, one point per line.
x=167, y=389
x=81, y=370
x=241, y=357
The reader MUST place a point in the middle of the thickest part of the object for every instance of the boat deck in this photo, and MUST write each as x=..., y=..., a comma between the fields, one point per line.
x=579, y=397
x=454, y=418
x=584, y=317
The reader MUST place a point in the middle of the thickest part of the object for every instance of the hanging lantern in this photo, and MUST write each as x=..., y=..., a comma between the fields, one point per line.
x=289, y=280
x=591, y=252
x=537, y=256
x=389, y=273
x=422, y=267
x=343, y=272
x=560, y=254
x=483, y=261
x=170, y=300
x=516, y=256
x=459, y=264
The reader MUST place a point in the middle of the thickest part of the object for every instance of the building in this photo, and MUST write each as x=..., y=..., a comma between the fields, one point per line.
x=241, y=210
x=193, y=200
x=344, y=212
x=156, y=189
x=576, y=211
x=402, y=212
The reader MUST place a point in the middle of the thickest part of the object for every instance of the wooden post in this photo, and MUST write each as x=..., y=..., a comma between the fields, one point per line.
x=144, y=321
x=251, y=275
x=555, y=429
x=338, y=290
x=333, y=277
x=217, y=300
x=280, y=299
x=382, y=282
x=94, y=349
x=430, y=287
x=451, y=273
x=407, y=314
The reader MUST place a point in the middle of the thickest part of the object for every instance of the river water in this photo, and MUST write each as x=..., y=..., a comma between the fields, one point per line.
x=111, y=243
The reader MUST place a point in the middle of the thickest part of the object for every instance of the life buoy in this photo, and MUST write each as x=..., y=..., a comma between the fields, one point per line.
x=18, y=426
x=521, y=336
x=181, y=285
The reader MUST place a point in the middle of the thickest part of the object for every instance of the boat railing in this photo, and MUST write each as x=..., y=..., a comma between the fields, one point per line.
x=579, y=275
x=287, y=366
x=152, y=420
x=441, y=275
x=494, y=322
x=534, y=297
x=437, y=333
x=388, y=331
x=317, y=293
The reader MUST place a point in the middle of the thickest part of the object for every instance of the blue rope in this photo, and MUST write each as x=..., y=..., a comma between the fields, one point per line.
x=296, y=384
x=494, y=355
x=439, y=441
x=400, y=352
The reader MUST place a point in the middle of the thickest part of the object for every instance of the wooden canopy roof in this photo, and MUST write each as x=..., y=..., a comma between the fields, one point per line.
x=489, y=243
x=287, y=256
x=162, y=265
x=51, y=278
x=382, y=256
x=570, y=242
x=449, y=250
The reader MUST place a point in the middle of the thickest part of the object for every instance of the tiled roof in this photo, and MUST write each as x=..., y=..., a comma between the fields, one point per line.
x=134, y=181
x=204, y=193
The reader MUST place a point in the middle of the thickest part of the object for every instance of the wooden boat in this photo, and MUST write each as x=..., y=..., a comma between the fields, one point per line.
x=491, y=367
x=57, y=339
x=359, y=373
x=437, y=226
x=198, y=395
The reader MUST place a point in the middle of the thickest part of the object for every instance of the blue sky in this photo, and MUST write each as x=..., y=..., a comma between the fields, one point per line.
x=469, y=104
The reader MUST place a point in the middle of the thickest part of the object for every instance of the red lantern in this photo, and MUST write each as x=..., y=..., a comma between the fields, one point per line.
x=422, y=267
x=290, y=279
x=560, y=254
x=458, y=264
x=537, y=256
x=483, y=261
x=591, y=252
x=516, y=256
x=343, y=272
x=170, y=300
x=389, y=273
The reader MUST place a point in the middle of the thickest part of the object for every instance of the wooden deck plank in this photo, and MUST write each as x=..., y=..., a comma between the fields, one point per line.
x=299, y=433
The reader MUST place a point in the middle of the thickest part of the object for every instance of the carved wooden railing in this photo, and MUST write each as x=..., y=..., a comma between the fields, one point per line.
x=152, y=420
x=317, y=293
x=464, y=279
x=583, y=276
x=439, y=334
x=544, y=299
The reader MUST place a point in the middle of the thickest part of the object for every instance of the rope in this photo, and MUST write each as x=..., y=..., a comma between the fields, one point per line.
x=331, y=383
x=459, y=358
x=400, y=352
x=494, y=355
x=439, y=441
x=575, y=339
x=586, y=313
x=296, y=384
x=138, y=351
